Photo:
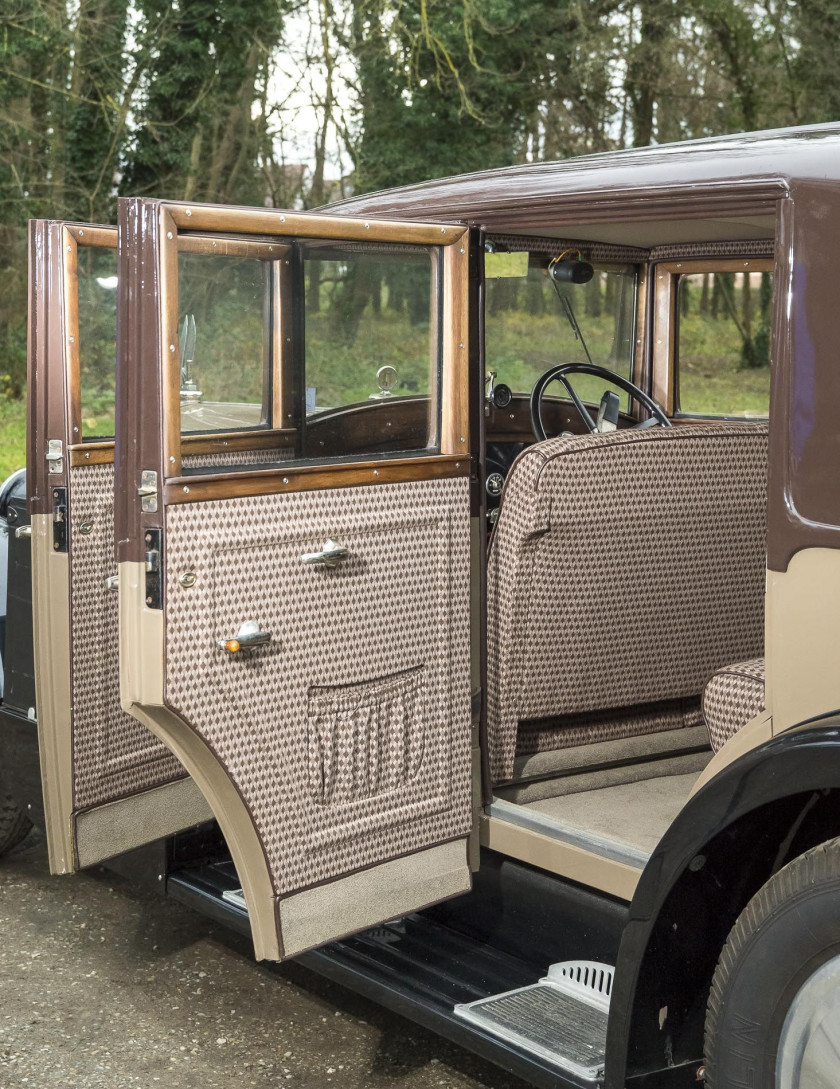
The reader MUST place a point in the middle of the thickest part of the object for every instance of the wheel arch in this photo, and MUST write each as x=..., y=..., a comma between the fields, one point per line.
x=766, y=808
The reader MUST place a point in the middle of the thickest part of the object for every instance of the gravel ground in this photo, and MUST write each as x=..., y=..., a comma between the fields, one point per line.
x=105, y=986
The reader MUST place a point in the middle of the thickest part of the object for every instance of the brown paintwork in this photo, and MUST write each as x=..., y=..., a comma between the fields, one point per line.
x=47, y=381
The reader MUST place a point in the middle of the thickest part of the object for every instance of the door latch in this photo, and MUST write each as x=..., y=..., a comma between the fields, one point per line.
x=154, y=568
x=55, y=456
x=148, y=491
x=59, y=498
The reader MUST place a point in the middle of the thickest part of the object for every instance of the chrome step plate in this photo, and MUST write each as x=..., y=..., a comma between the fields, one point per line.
x=560, y=1018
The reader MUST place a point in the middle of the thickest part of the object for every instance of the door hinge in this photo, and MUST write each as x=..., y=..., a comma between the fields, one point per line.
x=154, y=568
x=59, y=498
x=148, y=491
x=55, y=456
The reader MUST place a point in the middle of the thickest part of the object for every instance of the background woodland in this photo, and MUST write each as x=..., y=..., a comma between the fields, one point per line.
x=298, y=102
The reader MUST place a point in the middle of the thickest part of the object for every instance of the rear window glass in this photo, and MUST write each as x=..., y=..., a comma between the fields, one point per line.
x=723, y=343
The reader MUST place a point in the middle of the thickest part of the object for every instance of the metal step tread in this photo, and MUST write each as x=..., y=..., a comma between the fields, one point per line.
x=563, y=1018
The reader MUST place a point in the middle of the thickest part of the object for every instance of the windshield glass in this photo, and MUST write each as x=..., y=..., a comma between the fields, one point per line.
x=529, y=323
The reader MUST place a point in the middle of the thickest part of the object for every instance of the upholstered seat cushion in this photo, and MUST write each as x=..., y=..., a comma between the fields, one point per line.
x=732, y=697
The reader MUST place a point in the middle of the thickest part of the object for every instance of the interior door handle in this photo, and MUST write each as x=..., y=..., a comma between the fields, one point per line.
x=248, y=636
x=329, y=556
x=23, y=531
x=112, y=582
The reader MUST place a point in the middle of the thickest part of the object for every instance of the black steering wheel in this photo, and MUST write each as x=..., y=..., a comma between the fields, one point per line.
x=560, y=372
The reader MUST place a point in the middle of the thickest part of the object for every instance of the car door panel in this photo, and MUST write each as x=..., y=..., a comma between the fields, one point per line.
x=336, y=754
x=93, y=754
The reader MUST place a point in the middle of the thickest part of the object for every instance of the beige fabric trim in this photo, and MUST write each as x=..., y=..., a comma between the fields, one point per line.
x=115, y=827
x=616, y=878
x=602, y=752
x=310, y=918
x=51, y=619
x=583, y=782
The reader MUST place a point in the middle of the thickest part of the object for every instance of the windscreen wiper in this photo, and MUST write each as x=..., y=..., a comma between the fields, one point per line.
x=566, y=303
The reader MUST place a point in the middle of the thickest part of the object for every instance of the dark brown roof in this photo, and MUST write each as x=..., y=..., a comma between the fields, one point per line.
x=741, y=174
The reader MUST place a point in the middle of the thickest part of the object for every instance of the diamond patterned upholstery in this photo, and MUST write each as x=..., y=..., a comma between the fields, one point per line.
x=624, y=570
x=732, y=697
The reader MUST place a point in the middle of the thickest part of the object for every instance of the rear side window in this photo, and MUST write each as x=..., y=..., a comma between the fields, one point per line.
x=723, y=343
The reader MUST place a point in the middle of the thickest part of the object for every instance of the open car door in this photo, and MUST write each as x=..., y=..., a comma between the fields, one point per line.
x=295, y=610
x=109, y=784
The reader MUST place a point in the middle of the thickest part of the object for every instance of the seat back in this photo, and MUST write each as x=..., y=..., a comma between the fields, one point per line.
x=624, y=570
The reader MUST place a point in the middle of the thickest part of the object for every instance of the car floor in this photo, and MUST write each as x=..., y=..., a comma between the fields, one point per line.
x=634, y=815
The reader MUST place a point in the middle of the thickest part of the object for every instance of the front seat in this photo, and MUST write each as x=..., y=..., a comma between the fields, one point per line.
x=624, y=570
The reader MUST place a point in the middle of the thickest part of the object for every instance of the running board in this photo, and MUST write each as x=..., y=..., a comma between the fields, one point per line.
x=419, y=968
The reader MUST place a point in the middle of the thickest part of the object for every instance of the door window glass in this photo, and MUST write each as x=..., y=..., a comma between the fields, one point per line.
x=370, y=349
x=723, y=343
x=532, y=324
x=97, y=332
x=224, y=330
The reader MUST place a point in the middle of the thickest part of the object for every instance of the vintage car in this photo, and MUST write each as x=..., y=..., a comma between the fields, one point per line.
x=510, y=705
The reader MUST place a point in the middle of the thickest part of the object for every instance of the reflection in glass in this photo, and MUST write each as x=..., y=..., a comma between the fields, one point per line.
x=97, y=280
x=224, y=341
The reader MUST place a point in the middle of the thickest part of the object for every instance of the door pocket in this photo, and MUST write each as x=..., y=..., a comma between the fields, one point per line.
x=365, y=740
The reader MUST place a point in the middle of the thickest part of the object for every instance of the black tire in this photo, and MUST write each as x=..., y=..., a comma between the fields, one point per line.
x=14, y=824
x=789, y=929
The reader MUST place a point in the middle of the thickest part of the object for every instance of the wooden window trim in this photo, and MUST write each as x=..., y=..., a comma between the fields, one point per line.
x=664, y=277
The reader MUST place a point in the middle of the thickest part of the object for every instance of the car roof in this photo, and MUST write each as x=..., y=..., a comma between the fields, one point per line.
x=739, y=174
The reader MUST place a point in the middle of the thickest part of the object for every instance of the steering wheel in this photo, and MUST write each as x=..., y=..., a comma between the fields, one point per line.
x=560, y=372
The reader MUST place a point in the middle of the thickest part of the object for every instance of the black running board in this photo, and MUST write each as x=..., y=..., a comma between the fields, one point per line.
x=416, y=967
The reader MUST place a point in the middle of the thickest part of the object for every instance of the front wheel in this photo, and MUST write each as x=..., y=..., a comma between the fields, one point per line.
x=14, y=824
x=773, y=1019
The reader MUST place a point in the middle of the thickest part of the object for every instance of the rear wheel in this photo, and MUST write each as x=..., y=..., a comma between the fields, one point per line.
x=773, y=1019
x=14, y=824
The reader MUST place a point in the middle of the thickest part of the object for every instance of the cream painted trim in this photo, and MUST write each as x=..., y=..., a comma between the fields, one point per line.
x=802, y=638
x=349, y=904
x=755, y=733
x=120, y=826
x=142, y=692
x=564, y=859
x=51, y=622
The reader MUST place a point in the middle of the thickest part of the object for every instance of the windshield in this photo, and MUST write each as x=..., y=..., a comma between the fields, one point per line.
x=530, y=324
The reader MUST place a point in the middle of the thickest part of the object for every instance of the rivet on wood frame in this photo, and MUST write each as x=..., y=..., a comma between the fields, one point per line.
x=461, y=345
x=87, y=456
x=186, y=490
x=72, y=340
x=172, y=459
x=189, y=213
x=285, y=480
x=367, y=226
x=69, y=249
x=443, y=230
x=81, y=232
x=376, y=472
x=172, y=347
x=463, y=439
x=282, y=219
x=169, y=234
x=463, y=250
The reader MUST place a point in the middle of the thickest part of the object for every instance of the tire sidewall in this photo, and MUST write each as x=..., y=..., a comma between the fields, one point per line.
x=783, y=952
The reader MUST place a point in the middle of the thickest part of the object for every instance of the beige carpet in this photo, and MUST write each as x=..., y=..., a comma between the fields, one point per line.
x=634, y=814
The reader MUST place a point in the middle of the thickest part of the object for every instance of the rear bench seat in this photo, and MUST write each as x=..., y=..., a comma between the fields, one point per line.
x=733, y=696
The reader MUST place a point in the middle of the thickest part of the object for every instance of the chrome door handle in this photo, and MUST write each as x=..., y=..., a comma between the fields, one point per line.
x=248, y=636
x=112, y=582
x=23, y=531
x=330, y=555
